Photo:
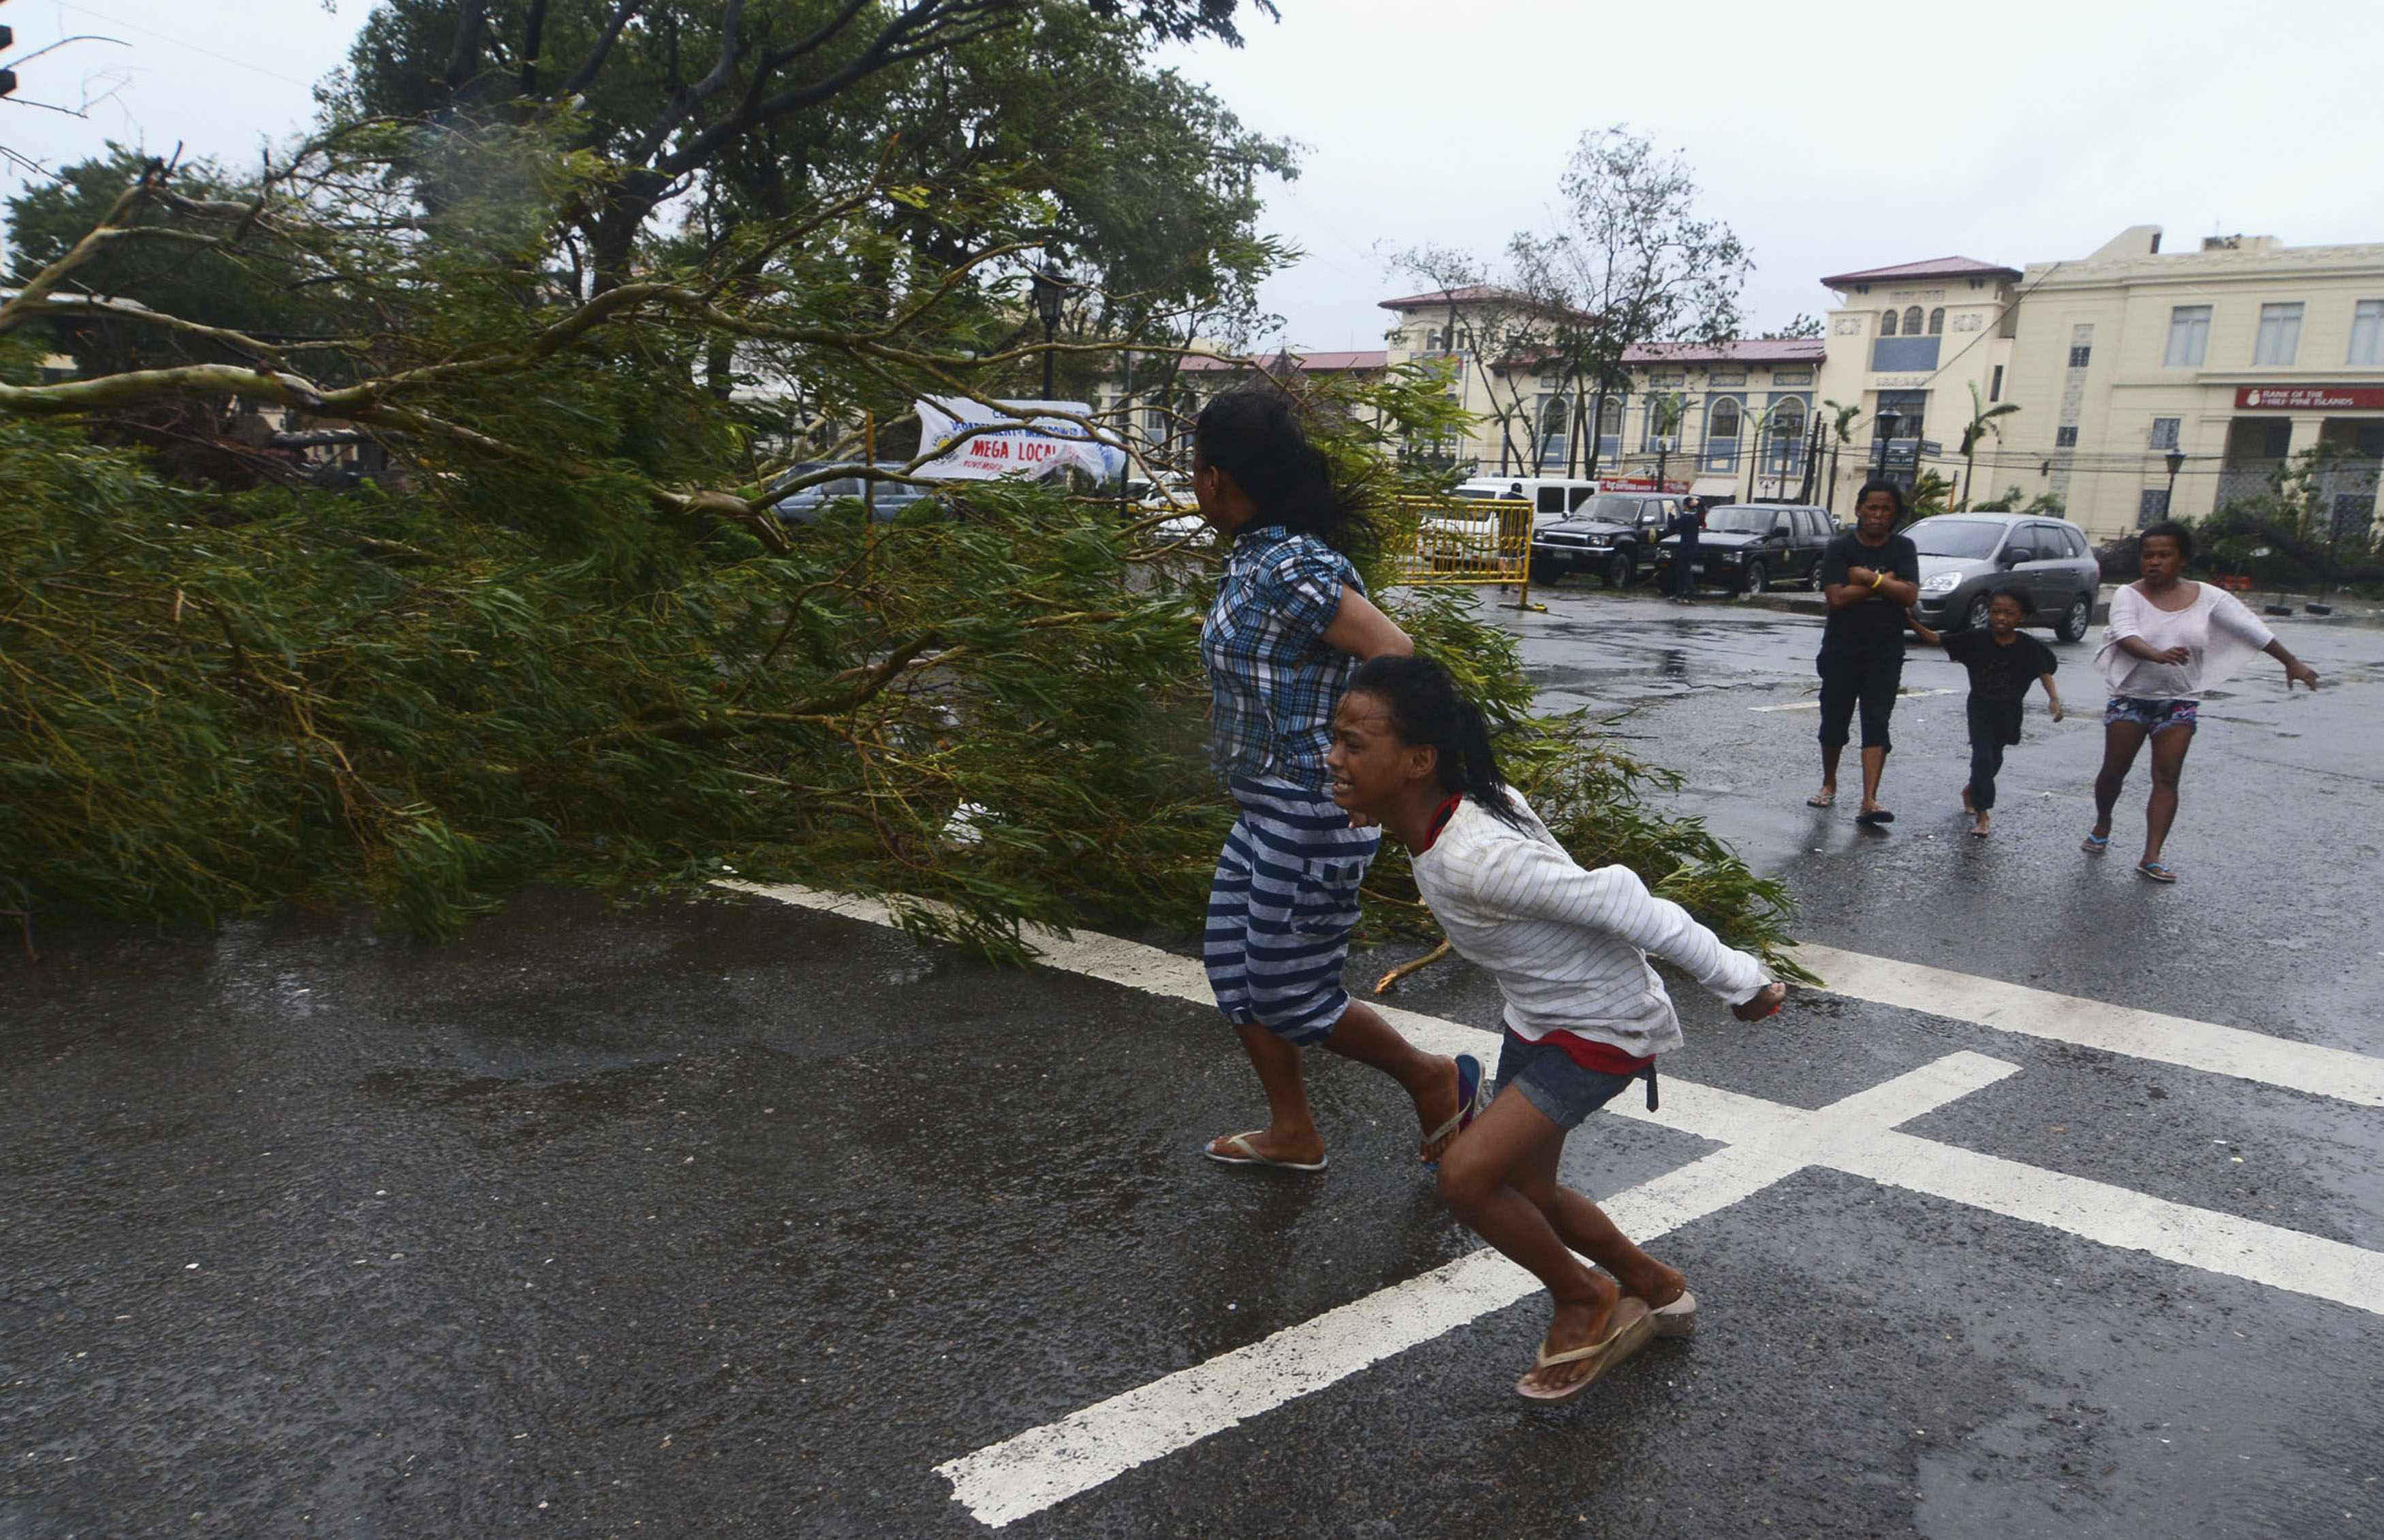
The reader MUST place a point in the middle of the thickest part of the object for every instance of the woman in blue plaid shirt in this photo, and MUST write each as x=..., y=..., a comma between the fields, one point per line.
x=1291, y=622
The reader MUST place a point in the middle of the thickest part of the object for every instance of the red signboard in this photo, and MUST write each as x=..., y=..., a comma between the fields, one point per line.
x=2310, y=398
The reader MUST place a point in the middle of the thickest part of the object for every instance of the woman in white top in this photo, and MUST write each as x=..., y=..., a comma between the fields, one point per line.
x=1585, y=1015
x=2167, y=642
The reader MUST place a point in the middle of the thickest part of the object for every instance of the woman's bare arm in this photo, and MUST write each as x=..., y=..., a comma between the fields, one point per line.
x=1362, y=630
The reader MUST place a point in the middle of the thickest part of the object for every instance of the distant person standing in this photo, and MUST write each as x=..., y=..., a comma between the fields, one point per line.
x=2168, y=640
x=2004, y=662
x=1871, y=575
x=1685, y=523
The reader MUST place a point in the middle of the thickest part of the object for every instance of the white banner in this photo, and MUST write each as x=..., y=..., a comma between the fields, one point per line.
x=986, y=443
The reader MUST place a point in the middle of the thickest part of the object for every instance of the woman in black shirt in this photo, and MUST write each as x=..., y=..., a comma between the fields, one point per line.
x=1871, y=576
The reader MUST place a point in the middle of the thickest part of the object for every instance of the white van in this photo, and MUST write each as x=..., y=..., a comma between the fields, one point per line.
x=1551, y=497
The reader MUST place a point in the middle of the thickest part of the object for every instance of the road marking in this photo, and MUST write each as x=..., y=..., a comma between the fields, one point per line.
x=1764, y=1142
x=1816, y=705
x=2337, y=1073
x=1027, y=1473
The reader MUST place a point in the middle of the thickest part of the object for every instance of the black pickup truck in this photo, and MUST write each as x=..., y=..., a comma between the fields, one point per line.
x=1613, y=535
x=1748, y=547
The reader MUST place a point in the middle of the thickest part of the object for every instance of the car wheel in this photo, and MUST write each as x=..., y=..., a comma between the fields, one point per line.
x=1619, y=571
x=1754, y=580
x=2075, y=620
x=1975, y=617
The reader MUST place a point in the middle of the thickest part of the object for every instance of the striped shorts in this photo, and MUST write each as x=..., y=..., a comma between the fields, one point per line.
x=1282, y=908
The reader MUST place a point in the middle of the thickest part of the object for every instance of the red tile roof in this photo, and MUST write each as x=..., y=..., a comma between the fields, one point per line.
x=1938, y=266
x=1471, y=293
x=1737, y=350
x=1308, y=363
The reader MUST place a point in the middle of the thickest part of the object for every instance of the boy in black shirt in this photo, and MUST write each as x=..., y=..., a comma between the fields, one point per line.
x=2003, y=662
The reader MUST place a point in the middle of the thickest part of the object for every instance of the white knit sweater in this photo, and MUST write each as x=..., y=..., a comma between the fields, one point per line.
x=1569, y=946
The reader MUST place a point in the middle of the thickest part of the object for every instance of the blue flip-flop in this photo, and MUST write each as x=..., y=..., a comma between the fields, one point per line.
x=2156, y=870
x=2095, y=844
x=1473, y=1095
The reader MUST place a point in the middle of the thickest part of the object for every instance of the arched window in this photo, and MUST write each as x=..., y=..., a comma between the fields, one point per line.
x=1610, y=418
x=1553, y=417
x=1912, y=322
x=1887, y=324
x=1724, y=420
x=1788, y=420
x=1937, y=321
x=1432, y=341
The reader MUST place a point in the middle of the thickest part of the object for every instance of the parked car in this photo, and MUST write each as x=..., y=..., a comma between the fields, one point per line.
x=1749, y=547
x=1964, y=558
x=1551, y=497
x=887, y=499
x=1613, y=534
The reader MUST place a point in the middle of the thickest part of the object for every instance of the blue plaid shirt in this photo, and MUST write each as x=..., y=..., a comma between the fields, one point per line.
x=1274, y=681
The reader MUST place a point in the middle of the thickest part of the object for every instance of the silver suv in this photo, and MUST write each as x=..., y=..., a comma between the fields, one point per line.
x=1964, y=557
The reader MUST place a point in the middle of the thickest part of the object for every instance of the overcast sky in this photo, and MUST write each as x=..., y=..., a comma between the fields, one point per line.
x=1829, y=138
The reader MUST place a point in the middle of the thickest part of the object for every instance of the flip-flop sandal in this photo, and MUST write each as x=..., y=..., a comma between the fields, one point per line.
x=1978, y=834
x=1821, y=799
x=2096, y=844
x=1473, y=1095
x=1875, y=817
x=2154, y=870
x=1247, y=1156
x=1679, y=1318
x=1633, y=1324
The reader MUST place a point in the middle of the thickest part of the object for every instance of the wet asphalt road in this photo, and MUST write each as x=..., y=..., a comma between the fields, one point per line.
x=734, y=1218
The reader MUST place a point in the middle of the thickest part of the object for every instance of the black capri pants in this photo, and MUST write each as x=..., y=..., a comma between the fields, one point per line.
x=1867, y=677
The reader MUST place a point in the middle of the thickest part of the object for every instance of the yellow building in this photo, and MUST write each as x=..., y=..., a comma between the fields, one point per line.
x=2134, y=370
x=1731, y=419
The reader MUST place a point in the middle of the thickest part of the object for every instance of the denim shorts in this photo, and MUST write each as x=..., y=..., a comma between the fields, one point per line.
x=1552, y=1080
x=2148, y=715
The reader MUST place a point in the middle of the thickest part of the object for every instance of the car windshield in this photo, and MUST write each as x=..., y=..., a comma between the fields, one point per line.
x=1963, y=538
x=1743, y=520
x=1611, y=507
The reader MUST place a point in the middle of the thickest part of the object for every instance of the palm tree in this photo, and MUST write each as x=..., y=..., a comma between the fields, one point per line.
x=1842, y=425
x=1982, y=422
x=1665, y=409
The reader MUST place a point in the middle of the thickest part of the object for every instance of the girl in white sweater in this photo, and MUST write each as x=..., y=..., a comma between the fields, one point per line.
x=1585, y=1015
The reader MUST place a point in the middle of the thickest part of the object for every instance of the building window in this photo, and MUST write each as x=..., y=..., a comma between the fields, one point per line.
x=1912, y=321
x=2078, y=358
x=1995, y=384
x=1556, y=432
x=2152, y=506
x=1725, y=420
x=2165, y=432
x=2367, y=333
x=2281, y=334
x=1432, y=341
x=1937, y=321
x=2065, y=438
x=1787, y=436
x=1792, y=377
x=1887, y=324
x=2189, y=337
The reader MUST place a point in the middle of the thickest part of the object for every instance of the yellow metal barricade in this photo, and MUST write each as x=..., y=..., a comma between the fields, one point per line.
x=1456, y=543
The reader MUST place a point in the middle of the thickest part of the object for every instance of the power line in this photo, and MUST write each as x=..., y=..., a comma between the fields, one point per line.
x=182, y=42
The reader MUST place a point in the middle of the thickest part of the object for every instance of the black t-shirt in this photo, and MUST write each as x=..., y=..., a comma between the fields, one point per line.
x=1877, y=618
x=2000, y=674
x=1686, y=523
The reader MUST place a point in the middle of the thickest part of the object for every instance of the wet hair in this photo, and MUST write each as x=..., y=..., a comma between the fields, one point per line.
x=1426, y=707
x=1882, y=485
x=1254, y=435
x=2171, y=530
x=2017, y=596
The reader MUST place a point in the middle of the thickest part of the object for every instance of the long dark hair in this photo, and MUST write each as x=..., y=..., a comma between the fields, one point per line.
x=1425, y=706
x=1892, y=490
x=1254, y=435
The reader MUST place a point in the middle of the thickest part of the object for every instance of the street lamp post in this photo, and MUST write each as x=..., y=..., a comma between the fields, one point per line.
x=2168, y=498
x=1050, y=292
x=1887, y=421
